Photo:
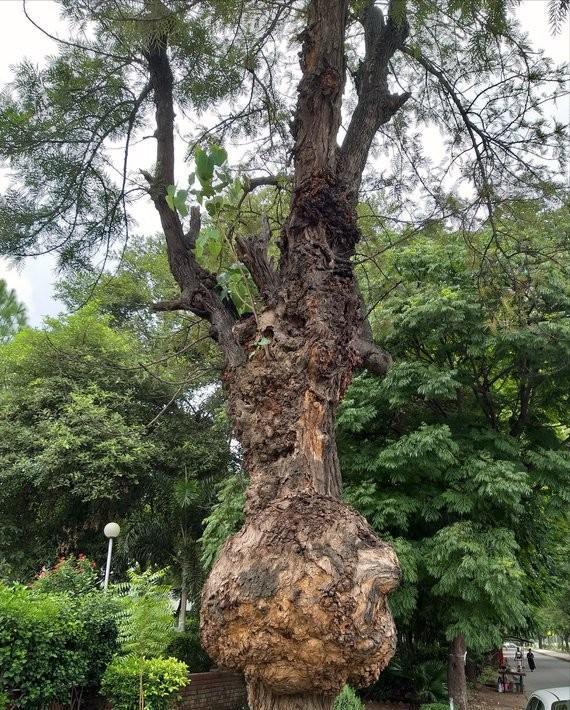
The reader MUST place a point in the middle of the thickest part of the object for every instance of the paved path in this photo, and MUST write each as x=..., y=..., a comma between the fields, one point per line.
x=551, y=671
x=556, y=654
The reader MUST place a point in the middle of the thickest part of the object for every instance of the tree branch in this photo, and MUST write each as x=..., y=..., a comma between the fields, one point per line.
x=252, y=251
x=197, y=286
x=373, y=358
x=193, y=228
x=376, y=105
x=251, y=184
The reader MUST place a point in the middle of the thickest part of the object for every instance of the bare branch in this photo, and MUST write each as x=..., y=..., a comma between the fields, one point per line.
x=376, y=105
x=175, y=304
x=252, y=251
x=194, y=227
x=373, y=358
x=197, y=286
x=251, y=184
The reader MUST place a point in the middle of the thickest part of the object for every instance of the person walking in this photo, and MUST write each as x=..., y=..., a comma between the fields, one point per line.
x=530, y=660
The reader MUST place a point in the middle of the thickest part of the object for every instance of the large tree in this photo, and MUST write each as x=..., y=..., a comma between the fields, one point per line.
x=297, y=599
x=460, y=454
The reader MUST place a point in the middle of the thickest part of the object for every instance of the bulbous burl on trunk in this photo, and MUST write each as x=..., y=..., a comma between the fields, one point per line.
x=297, y=599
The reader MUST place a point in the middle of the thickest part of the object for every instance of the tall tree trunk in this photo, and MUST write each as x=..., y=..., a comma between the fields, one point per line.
x=297, y=599
x=183, y=598
x=456, y=681
x=540, y=642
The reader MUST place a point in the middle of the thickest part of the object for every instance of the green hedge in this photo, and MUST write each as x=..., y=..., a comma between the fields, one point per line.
x=162, y=678
x=52, y=643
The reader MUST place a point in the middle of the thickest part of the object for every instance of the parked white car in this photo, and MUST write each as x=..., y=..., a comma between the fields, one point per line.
x=550, y=699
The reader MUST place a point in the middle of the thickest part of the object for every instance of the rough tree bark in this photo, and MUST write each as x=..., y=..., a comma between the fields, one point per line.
x=297, y=599
x=456, y=681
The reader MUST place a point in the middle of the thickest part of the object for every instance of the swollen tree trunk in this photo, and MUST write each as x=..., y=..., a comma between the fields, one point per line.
x=183, y=598
x=456, y=681
x=296, y=600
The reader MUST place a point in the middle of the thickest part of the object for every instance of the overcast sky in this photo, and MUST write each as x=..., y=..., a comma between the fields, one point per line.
x=20, y=40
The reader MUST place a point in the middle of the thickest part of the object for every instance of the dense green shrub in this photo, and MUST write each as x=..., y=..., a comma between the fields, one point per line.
x=435, y=706
x=3, y=700
x=40, y=640
x=97, y=613
x=186, y=647
x=72, y=575
x=347, y=699
x=52, y=643
x=162, y=678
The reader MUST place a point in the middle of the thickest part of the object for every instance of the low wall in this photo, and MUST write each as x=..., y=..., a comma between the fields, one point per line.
x=216, y=690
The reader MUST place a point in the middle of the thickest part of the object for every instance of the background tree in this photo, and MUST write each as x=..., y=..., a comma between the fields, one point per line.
x=107, y=434
x=460, y=454
x=170, y=532
x=288, y=360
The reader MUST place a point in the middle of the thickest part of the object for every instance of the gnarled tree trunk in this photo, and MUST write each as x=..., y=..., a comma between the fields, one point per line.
x=297, y=599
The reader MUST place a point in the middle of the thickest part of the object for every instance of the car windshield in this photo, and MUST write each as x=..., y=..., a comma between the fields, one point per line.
x=561, y=705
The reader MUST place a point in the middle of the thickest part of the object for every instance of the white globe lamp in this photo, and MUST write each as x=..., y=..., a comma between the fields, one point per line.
x=111, y=531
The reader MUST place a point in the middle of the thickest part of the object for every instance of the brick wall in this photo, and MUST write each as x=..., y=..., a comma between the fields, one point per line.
x=216, y=690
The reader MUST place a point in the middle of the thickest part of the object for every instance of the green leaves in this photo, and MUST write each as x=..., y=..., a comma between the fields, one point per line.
x=218, y=155
x=176, y=200
x=145, y=625
x=209, y=244
x=209, y=165
x=204, y=166
x=432, y=455
x=225, y=518
x=234, y=284
x=160, y=679
x=53, y=643
x=75, y=442
x=347, y=699
x=479, y=568
x=12, y=313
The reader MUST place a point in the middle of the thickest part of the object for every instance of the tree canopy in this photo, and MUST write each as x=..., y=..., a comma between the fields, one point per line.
x=460, y=455
x=110, y=432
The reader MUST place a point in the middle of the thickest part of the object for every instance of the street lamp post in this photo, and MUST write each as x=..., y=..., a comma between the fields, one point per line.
x=111, y=530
